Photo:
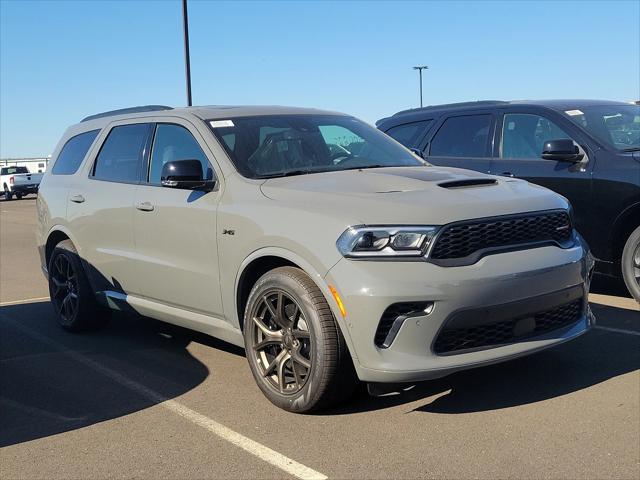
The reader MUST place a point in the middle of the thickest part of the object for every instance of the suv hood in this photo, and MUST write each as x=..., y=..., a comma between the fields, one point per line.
x=410, y=195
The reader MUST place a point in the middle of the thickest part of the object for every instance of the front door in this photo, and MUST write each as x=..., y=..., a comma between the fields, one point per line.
x=521, y=136
x=175, y=230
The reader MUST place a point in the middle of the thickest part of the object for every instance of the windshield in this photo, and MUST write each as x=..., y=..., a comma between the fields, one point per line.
x=616, y=125
x=280, y=145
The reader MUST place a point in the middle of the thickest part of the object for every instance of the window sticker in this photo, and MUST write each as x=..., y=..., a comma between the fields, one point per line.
x=573, y=113
x=221, y=123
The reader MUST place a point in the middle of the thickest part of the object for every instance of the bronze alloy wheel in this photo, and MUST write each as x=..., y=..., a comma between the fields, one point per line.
x=281, y=341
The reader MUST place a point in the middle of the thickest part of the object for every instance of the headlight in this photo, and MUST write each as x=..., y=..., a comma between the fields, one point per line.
x=385, y=241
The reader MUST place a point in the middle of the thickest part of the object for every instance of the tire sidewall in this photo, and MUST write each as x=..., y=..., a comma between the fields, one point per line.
x=71, y=256
x=627, y=264
x=308, y=395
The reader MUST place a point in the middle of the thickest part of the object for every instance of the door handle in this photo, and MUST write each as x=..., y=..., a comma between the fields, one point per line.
x=507, y=174
x=145, y=206
x=76, y=198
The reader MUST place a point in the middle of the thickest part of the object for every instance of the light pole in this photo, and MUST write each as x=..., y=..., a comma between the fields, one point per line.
x=420, y=68
x=187, y=60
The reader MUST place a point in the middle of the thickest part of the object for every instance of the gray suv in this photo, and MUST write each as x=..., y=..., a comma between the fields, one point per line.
x=326, y=249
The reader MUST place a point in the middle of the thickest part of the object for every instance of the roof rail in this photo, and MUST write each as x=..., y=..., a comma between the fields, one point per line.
x=478, y=103
x=122, y=111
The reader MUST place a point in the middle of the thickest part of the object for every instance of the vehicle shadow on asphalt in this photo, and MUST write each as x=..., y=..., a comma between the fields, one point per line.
x=46, y=388
x=591, y=359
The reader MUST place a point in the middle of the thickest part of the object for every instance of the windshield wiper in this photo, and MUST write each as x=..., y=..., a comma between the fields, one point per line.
x=290, y=173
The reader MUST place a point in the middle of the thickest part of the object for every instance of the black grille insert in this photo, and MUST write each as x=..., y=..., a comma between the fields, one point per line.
x=455, y=340
x=392, y=319
x=466, y=240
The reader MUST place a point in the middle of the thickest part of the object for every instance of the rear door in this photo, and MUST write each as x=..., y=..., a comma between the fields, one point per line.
x=100, y=205
x=462, y=141
x=520, y=136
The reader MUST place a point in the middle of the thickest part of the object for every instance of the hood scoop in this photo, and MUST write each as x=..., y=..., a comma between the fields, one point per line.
x=472, y=182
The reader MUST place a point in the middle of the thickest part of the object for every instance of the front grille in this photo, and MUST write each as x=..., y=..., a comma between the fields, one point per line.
x=489, y=335
x=464, y=239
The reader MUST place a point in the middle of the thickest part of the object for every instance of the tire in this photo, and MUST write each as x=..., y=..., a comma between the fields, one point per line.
x=72, y=297
x=312, y=337
x=7, y=194
x=630, y=264
x=18, y=196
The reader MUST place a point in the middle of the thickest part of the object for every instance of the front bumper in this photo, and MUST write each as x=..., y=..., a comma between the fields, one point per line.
x=367, y=288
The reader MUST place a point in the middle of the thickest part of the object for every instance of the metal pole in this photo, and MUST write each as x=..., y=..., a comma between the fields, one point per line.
x=187, y=60
x=420, y=88
x=420, y=68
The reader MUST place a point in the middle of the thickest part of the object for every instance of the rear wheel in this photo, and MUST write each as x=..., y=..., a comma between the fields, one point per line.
x=295, y=349
x=631, y=264
x=7, y=194
x=71, y=295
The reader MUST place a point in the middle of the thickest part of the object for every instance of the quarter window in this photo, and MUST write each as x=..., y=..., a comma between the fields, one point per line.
x=122, y=153
x=409, y=133
x=466, y=136
x=73, y=153
x=524, y=134
x=173, y=142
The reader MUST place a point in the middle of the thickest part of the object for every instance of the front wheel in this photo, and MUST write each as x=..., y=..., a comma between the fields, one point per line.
x=631, y=264
x=295, y=349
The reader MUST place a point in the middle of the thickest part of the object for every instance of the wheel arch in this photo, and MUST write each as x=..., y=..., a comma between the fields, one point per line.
x=263, y=260
x=626, y=223
x=56, y=235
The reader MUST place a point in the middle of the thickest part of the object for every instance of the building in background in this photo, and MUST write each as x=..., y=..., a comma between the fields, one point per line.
x=35, y=165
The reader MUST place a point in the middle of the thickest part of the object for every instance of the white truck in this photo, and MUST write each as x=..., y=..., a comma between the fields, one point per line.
x=19, y=182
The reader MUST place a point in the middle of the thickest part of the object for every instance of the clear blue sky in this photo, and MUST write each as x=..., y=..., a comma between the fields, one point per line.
x=60, y=61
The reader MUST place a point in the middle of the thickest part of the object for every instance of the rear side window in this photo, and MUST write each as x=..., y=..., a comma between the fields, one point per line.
x=409, y=133
x=466, y=136
x=120, y=158
x=73, y=153
x=173, y=142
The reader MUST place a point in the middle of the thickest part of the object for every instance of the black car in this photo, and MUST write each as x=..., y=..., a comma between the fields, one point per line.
x=586, y=150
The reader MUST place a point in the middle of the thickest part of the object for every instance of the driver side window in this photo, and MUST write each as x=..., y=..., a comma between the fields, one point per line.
x=523, y=135
x=174, y=142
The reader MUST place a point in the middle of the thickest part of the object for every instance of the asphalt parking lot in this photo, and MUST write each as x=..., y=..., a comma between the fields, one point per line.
x=141, y=399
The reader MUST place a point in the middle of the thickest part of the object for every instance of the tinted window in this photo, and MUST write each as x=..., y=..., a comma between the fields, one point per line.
x=462, y=137
x=616, y=125
x=73, y=153
x=121, y=154
x=523, y=135
x=173, y=142
x=409, y=133
x=13, y=170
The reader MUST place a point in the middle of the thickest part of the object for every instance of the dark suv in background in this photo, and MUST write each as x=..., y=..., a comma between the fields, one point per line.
x=587, y=150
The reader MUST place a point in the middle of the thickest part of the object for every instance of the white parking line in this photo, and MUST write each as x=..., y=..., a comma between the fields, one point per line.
x=254, y=448
x=617, y=330
x=25, y=300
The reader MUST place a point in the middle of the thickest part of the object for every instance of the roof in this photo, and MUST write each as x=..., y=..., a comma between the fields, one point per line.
x=420, y=113
x=210, y=112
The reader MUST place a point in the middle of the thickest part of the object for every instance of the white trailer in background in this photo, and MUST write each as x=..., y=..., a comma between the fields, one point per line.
x=33, y=164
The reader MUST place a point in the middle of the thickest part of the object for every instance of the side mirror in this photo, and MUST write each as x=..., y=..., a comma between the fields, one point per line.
x=185, y=174
x=562, y=150
x=418, y=152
